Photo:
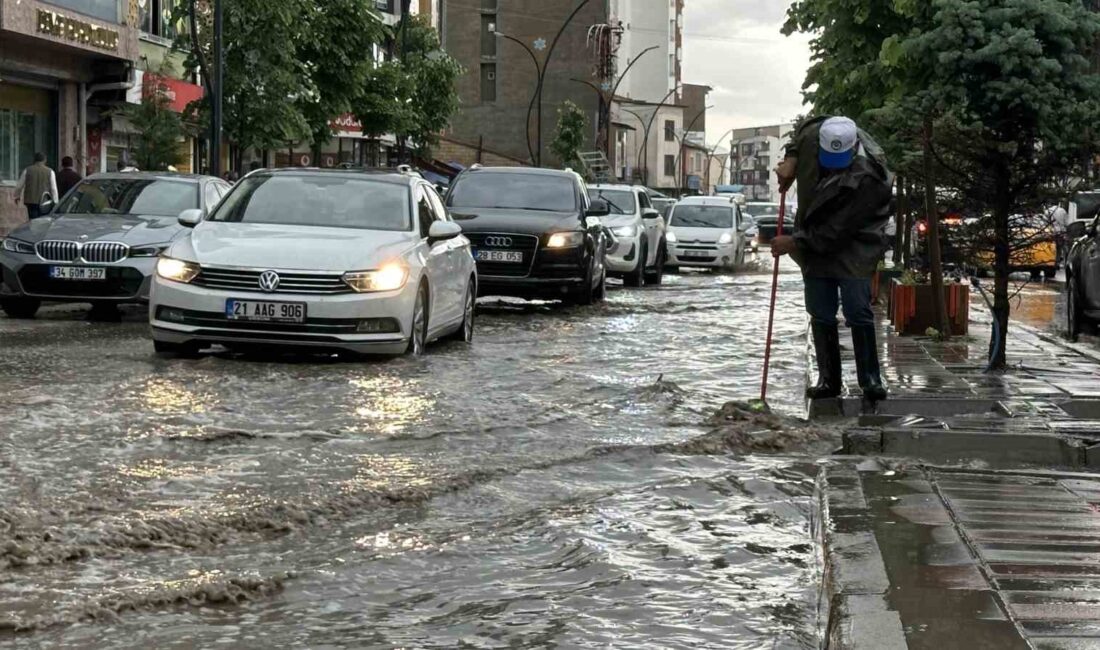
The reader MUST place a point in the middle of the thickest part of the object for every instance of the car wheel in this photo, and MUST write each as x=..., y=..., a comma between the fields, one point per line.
x=20, y=307
x=600, y=293
x=636, y=278
x=465, y=333
x=182, y=350
x=1049, y=273
x=655, y=275
x=418, y=336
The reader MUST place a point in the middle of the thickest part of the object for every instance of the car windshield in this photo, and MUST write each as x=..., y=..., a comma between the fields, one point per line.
x=137, y=196
x=762, y=209
x=318, y=200
x=513, y=191
x=702, y=216
x=620, y=201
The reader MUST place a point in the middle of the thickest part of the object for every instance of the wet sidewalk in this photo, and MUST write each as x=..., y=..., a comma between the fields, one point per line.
x=964, y=513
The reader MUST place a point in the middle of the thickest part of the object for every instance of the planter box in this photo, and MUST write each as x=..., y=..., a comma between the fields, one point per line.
x=912, y=313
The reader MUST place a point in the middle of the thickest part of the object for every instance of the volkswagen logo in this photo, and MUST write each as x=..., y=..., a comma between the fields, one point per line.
x=269, y=281
x=498, y=242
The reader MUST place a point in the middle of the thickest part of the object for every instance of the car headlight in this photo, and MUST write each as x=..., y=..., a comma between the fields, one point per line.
x=175, y=270
x=148, y=251
x=726, y=238
x=388, y=278
x=625, y=231
x=16, y=246
x=565, y=240
x=670, y=237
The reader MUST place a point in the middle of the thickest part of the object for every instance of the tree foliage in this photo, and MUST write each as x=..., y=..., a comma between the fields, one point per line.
x=413, y=95
x=162, y=132
x=569, y=136
x=1004, y=89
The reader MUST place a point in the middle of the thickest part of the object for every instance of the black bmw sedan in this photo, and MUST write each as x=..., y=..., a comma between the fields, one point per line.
x=535, y=233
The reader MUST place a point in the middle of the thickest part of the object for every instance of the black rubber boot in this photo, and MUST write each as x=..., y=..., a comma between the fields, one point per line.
x=867, y=367
x=827, y=351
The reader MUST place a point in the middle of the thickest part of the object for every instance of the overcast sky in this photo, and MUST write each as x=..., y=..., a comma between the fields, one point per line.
x=735, y=47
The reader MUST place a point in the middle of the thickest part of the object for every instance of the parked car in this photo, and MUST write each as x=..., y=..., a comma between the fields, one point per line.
x=663, y=205
x=536, y=233
x=766, y=216
x=966, y=244
x=707, y=232
x=1083, y=282
x=639, y=255
x=100, y=243
x=363, y=262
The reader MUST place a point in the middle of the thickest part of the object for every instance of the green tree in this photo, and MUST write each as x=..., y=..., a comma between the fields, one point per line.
x=569, y=137
x=413, y=95
x=162, y=132
x=1010, y=91
x=335, y=44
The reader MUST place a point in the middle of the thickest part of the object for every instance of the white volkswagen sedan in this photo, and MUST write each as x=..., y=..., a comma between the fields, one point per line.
x=363, y=262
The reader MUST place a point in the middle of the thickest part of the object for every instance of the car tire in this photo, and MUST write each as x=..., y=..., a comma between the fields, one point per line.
x=588, y=293
x=1076, y=321
x=20, y=307
x=418, y=335
x=181, y=350
x=465, y=332
x=656, y=274
x=1049, y=273
x=601, y=289
x=636, y=278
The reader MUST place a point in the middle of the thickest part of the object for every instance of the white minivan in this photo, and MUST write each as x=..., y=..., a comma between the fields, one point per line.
x=708, y=232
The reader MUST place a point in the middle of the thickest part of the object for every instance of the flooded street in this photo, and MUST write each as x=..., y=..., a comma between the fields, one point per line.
x=528, y=491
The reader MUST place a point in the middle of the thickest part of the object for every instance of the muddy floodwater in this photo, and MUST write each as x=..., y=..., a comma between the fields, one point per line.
x=538, y=489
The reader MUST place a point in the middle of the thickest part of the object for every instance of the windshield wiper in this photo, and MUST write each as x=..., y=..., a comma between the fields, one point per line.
x=611, y=203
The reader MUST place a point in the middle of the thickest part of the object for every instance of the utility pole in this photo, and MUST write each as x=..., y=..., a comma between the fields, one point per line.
x=216, y=99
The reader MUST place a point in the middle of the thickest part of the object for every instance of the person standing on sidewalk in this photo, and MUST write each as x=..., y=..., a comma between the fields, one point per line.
x=838, y=240
x=35, y=181
x=67, y=178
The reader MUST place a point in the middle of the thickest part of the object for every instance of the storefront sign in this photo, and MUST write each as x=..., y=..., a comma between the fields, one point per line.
x=346, y=122
x=77, y=31
x=178, y=93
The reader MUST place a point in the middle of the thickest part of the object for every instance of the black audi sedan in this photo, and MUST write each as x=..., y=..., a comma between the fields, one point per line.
x=535, y=233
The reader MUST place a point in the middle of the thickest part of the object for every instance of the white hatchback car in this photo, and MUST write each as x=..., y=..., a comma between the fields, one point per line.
x=366, y=262
x=639, y=255
x=707, y=231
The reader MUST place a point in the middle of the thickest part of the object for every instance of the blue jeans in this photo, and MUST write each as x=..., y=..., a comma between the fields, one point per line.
x=824, y=295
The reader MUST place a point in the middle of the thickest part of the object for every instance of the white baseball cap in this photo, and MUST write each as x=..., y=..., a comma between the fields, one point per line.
x=839, y=140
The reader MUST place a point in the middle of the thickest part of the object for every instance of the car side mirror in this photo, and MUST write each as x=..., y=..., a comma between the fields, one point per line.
x=598, y=208
x=744, y=225
x=46, y=204
x=650, y=213
x=190, y=218
x=1078, y=229
x=442, y=231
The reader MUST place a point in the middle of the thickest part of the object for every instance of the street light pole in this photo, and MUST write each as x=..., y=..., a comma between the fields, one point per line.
x=607, y=98
x=645, y=140
x=683, y=141
x=216, y=98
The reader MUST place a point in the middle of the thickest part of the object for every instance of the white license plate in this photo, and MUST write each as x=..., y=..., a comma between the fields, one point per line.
x=513, y=257
x=78, y=273
x=265, y=311
x=697, y=254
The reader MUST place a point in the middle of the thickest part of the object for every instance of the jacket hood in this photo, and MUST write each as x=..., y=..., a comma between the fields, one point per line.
x=535, y=222
x=285, y=247
x=128, y=229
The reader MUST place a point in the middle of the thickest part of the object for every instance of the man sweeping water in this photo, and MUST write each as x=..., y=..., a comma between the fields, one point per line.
x=838, y=240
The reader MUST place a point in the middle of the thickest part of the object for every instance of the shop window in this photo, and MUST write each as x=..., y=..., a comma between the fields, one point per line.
x=102, y=9
x=156, y=18
x=27, y=126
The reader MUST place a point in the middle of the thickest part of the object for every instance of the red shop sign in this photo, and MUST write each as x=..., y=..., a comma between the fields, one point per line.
x=179, y=93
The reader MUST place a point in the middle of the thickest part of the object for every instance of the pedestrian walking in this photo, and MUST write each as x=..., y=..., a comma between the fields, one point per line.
x=36, y=181
x=67, y=178
x=838, y=240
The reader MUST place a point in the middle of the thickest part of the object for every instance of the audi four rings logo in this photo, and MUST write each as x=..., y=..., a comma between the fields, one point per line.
x=269, y=281
x=498, y=242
